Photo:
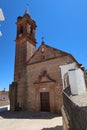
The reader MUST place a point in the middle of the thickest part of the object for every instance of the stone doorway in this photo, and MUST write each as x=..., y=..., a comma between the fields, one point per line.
x=45, y=102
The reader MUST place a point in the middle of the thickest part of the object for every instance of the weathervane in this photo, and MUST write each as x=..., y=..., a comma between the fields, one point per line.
x=27, y=8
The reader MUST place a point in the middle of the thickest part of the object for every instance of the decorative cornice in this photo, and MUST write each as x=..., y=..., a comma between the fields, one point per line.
x=46, y=60
x=26, y=38
x=48, y=84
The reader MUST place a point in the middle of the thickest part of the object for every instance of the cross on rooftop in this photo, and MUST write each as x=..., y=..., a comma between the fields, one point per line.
x=42, y=39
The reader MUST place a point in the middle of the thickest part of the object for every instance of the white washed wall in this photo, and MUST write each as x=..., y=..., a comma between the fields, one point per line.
x=65, y=69
x=77, y=81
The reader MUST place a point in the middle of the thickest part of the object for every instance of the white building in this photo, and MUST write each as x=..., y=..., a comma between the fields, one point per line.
x=73, y=76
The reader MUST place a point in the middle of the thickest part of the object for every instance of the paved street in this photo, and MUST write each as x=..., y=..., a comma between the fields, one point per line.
x=30, y=121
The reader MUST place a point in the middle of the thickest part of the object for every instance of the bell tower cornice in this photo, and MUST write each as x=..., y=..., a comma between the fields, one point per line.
x=26, y=38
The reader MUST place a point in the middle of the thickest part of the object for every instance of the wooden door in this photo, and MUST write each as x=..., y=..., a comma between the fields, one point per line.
x=45, y=104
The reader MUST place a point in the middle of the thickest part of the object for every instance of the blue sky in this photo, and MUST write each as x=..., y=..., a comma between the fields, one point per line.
x=63, y=23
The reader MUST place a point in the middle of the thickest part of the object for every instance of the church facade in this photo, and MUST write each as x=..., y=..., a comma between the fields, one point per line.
x=37, y=84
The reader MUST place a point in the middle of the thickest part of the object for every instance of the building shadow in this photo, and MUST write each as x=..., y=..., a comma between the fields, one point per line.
x=54, y=128
x=27, y=115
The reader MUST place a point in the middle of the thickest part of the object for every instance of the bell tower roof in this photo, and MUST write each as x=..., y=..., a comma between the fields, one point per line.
x=26, y=28
x=27, y=11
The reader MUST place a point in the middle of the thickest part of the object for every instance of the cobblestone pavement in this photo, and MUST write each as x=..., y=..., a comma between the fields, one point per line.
x=30, y=121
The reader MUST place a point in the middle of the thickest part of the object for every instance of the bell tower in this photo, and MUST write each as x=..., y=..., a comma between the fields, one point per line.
x=25, y=48
x=25, y=42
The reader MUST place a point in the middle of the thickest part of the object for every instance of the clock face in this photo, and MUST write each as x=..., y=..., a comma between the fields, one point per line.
x=42, y=50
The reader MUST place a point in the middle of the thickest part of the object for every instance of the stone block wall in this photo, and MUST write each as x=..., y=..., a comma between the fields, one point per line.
x=53, y=69
x=13, y=96
x=76, y=116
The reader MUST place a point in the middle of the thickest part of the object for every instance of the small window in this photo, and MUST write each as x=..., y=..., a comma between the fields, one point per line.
x=21, y=30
